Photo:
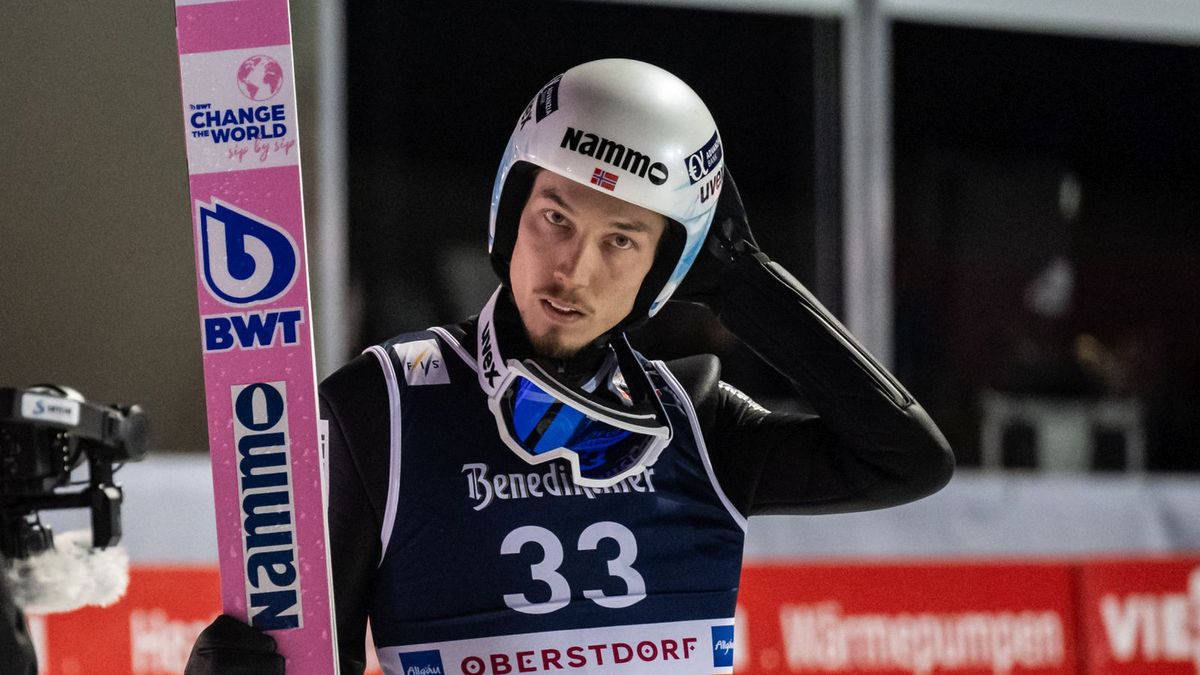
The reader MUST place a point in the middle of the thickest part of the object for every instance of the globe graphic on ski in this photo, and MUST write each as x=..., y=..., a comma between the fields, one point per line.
x=259, y=77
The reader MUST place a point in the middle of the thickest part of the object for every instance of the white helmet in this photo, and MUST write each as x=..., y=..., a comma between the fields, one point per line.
x=627, y=129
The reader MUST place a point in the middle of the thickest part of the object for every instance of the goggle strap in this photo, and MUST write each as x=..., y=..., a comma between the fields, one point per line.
x=493, y=371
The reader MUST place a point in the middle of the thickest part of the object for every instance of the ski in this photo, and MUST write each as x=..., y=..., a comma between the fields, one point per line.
x=243, y=153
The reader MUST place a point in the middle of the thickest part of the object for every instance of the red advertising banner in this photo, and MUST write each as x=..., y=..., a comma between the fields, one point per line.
x=149, y=632
x=1141, y=616
x=917, y=618
x=1100, y=618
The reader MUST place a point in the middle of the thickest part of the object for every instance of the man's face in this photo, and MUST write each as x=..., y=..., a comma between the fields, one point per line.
x=579, y=260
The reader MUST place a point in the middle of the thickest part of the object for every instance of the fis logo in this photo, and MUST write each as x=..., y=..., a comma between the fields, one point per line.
x=422, y=663
x=246, y=261
x=722, y=640
x=422, y=361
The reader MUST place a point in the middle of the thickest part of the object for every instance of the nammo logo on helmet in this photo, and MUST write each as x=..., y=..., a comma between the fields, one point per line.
x=615, y=154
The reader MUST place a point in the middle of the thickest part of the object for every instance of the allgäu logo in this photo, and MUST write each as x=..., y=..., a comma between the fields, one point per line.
x=422, y=663
x=722, y=640
x=245, y=259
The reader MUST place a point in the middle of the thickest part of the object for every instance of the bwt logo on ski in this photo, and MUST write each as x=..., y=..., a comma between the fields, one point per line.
x=260, y=431
x=422, y=663
x=245, y=261
x=238, y=124
x=251, y=330
x=722, y=640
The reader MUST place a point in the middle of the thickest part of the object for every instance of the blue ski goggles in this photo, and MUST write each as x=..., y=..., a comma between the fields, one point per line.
x=541, y=419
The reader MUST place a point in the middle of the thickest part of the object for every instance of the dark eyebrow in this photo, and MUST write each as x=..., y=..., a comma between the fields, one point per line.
x=631, y=226
x=552, y=194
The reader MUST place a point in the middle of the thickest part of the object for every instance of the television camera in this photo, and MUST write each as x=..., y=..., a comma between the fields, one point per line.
x=46, y=432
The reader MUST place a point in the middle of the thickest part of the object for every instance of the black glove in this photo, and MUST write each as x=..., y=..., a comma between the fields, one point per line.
x=16, y=648
x=230, y=647
x=729, y=238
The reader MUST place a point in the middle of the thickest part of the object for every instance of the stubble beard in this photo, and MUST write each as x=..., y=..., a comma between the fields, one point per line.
x=551, y=346
x=552, y=343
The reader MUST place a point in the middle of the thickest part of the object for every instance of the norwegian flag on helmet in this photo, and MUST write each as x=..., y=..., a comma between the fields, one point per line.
x=604, y=179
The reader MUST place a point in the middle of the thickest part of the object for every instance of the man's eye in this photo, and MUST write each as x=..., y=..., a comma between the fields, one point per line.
x=621, y=241
x=555, y=218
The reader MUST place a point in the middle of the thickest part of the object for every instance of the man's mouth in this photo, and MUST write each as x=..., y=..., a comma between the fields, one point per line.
x=563, y=310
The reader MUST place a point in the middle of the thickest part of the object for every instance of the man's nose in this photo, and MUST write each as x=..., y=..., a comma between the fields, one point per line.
x=576, y=263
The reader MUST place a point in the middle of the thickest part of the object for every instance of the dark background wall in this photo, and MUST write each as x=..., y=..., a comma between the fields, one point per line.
x=436, y=88
x=96, y=254
x=1016, y=150
x=96, y=286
